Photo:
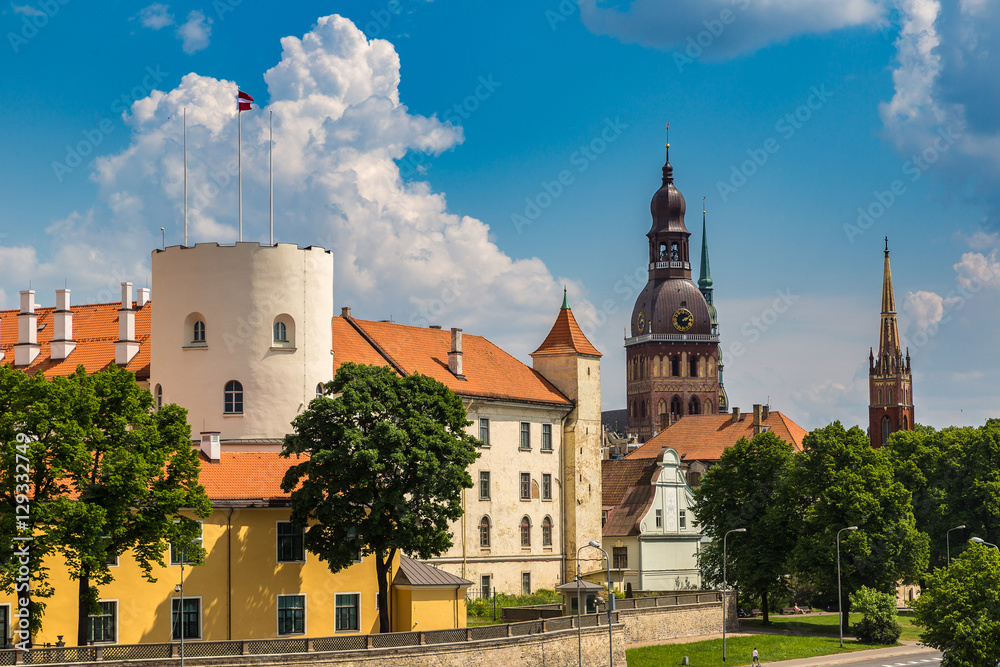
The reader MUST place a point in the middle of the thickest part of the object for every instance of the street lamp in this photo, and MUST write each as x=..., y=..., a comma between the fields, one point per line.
x=725, y=585
x=611, y=603
x=947, y=539
x=840, y=604
x=979, y=540
x=180, y=610
x=579, y=605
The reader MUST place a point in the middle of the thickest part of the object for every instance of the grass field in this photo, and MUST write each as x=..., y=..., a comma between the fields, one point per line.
x=827, y=624
x=771, y=647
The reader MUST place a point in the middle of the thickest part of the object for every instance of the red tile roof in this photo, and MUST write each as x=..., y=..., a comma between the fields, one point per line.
x=627, y=491
x=489, y=371
x=246, y=476
x=565, y=337
x=95, y=330
x=705, y=437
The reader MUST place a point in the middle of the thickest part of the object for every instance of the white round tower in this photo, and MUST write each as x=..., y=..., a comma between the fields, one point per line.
x=241, y=335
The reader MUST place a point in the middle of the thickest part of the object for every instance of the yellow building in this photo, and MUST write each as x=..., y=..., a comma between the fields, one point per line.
x=257, y=581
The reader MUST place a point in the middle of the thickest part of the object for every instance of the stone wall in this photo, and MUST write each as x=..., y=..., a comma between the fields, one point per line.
x=650, y=624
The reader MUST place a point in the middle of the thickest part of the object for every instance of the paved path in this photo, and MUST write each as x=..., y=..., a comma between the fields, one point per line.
x=909, y=655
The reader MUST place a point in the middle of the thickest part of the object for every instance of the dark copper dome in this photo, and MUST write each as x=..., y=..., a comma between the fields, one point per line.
x=661, y=299
x=668, y=206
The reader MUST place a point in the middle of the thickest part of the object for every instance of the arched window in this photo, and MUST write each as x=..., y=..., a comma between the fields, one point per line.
x=158, y=395
x=656, y=367
x=525, y=531
x=484, y=532
x=675, y=366
x=233, y=398
x=886, y=429
x=890, y=397
x=708, y=407
x=693, y=366
x=280, y=332
x=195, y=331
x=693, y=406
x=199, y=332
x=675, y=406
x=546, y=532
x=319, y=390
x=879, y=397
x=906, y=424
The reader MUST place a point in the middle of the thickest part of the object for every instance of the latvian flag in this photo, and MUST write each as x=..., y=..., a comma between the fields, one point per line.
x=243, y=101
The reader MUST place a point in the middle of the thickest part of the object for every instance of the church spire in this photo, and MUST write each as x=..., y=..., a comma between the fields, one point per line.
x=888, y=342
x=705, y=275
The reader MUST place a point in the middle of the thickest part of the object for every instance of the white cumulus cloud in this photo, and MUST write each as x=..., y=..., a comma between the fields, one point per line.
x=156, y=16
x=195, y=33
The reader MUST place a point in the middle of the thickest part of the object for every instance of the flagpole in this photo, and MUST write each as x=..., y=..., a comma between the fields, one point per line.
x=270, y=169
x=239, y=162
x=185, y=177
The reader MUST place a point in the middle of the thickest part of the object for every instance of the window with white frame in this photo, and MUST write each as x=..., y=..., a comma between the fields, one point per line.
x=101, y=627
x=546, y=437
x=484, y=431
x=525, y=435
x=188, y=622
x=319, y=390
x=525, y=583
x=659, y=518
x=484, y=484
x=347, y=612
x=546, y=486
x=233, y=398
x=683, y=519
x=198, y=334
x=485, y=585
x=280, y=332
x=291, y=614
x=291, y=539
x=525, y=486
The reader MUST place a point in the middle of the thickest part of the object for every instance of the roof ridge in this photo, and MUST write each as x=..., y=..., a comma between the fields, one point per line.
x=378, y=348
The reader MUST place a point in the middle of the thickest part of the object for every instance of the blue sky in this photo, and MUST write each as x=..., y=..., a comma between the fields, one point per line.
x=420, y=158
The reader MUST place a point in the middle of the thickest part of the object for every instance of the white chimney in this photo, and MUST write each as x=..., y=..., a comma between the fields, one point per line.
x=210, y=446
x=455, y=354
x=27, y=348
x=143, y=297
x=126, y=347
x=62, y=338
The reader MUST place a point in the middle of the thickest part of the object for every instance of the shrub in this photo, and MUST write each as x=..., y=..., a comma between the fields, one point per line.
x=869, y=631
x=879, y=624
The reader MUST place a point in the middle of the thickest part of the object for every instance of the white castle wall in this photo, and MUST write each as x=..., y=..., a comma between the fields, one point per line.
x=239, y=291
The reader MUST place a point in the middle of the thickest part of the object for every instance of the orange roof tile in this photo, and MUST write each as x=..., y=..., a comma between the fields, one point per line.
x=705, y=437
x=95, y=330
x=246, y=476
x=489, y=371
x=565, y=337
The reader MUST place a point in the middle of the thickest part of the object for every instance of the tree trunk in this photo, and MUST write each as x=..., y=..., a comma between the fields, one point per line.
x=383, y=569
x=84, y=608
x=763, y=608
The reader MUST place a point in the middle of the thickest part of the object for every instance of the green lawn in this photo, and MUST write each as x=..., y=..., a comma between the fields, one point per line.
x=827, y=624
x=771, y=647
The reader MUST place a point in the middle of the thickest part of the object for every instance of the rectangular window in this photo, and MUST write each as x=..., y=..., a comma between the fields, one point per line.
x=189, y=622
x=177, y=554
x=101, y=627
x=110, y=558
x=659, y=518
x=546, y=486
x=620, y=557
x=525, y=435
x=290, y=543
x=546, y=437
x=525, y=486
x=484, y=484
x=291, y=614
x=683, y=519
x=347, y=612
x=525, y=583
x=485, y=586
x=604, y=518
x=484, y=431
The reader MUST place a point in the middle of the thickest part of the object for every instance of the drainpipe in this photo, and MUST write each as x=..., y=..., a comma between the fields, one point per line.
x=562, y=492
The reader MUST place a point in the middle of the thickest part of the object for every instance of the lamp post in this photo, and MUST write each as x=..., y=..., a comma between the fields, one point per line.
x=840, y=604
x=725, y=586
x=579, y=606
x=611, y=603
x=947, y=539
x=979, y=540
x=180, y=610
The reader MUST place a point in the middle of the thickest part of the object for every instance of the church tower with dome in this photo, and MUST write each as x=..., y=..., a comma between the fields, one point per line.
x=672, y=354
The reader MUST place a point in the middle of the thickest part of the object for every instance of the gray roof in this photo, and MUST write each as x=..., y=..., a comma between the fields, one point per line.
x=585, y=586
x=416, y=573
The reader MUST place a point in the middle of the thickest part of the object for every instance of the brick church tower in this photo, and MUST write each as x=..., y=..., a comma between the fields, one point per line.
x=672, y=354
x=890, y=384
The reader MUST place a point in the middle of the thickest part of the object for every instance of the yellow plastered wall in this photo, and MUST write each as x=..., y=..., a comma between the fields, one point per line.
x=430, y=608
x=246, y=559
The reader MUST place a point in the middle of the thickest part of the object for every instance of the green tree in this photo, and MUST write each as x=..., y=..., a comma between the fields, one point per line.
x=879, y=624
x=841, y=481
x=960, y=609
x=747, y=490
x=111, y=475
x=388, y=457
